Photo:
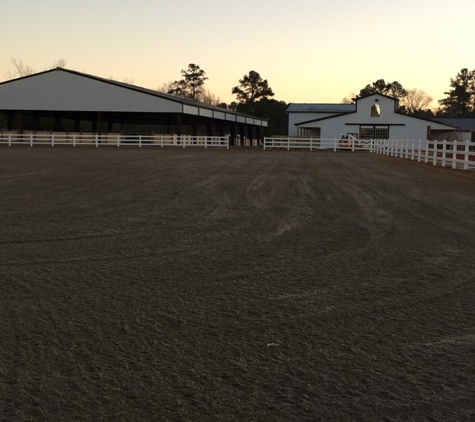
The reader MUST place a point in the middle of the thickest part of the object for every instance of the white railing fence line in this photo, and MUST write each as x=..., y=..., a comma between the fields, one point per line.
x=456, y=154
x=311, y=143
x=82, y=139
x=289, y=142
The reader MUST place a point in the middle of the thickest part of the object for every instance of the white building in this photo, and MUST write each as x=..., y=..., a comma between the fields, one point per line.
x=63, y=100
x=372, y=117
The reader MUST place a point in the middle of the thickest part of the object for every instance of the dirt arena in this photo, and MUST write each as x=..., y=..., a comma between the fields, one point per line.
x=241, y=285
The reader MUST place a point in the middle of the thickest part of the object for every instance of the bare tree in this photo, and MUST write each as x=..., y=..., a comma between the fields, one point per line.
x=165, y=87
x=208, y=97
x=416, y=100
x=58, y=63
x=129, y=81
x=20, y=69
x=349, y=99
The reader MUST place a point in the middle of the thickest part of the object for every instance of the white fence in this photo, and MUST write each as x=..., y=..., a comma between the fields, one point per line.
x=117, y=140
x=317, y=143
x=288, y=143
x=454, y=154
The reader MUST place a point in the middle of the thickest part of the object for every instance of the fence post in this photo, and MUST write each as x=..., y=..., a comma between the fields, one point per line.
x=227, y=141
x=334, y=145
x=466, y=156
x=352, y=145
x=310, y=143
x=419, y=151
x=183, y=140
x=161, y=139
x=444, y=152
x=264, y=146
x=31, y=139
x=412, y=150
x=97, y=139
x=52, y=140
x=118, y=141
x=140, y=141
x=74, y=140
x=288, y=143
x=434, y=157
x=426, y=158
x=454, y=154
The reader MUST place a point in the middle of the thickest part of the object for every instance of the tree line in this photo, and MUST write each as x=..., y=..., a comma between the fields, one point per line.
x=459, y=100
x=254, y=95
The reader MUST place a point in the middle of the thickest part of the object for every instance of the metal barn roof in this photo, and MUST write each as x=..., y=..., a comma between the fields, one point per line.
x=462, y=123
x=321, y=108
x=66, y=90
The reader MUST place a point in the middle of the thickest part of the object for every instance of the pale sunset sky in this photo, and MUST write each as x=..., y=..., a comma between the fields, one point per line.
x=308, y=50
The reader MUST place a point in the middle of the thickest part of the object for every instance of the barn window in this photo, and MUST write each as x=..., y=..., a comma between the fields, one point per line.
x=381, y=132
x=375, y=110
x=374, y=132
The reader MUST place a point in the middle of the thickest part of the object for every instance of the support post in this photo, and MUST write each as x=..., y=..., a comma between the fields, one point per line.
x=444, y=152
x=454, y=155
x=466, y=155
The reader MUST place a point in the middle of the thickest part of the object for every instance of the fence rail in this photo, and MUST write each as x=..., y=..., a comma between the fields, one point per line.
x=456, y=154
x=117, y=140
x=288, y=143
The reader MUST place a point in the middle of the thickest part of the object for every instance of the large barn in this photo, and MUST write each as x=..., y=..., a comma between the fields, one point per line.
x=373, y=117
x=62, y=100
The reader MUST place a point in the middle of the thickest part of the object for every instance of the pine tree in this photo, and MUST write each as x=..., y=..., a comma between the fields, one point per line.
x=460, y=100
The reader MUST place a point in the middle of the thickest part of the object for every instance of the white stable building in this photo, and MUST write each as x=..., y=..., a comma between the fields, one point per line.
x=372, y=117
x=62, y=100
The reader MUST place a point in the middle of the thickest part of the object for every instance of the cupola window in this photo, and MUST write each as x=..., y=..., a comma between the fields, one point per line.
x=375, y=110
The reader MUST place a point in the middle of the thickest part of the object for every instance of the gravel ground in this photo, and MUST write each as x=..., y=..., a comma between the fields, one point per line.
x=215, y=285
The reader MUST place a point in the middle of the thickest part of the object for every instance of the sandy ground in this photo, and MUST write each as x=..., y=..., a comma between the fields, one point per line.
x=214, y=285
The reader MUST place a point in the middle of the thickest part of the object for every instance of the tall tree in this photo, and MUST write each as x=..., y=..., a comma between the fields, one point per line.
x=191, y=86
x=252, y=88
x=393, y=89
x=460, y=100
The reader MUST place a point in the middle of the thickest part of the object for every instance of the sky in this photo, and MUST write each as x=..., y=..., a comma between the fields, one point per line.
x=310, y=51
